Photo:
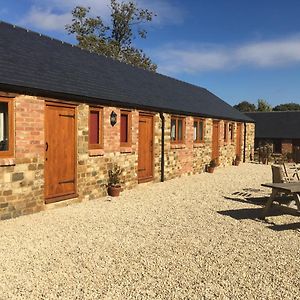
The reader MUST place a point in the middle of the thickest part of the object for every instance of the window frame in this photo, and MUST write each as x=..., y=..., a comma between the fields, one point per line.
x=11, y=128
x=176, y=141
x=198, y=140
x=99, y=110
x=129, y=141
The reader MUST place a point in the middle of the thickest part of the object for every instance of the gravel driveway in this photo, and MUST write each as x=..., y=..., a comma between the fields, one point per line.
x=196, y=237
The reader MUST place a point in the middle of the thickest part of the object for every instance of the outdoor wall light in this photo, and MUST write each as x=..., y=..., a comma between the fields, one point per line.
x=113, y=118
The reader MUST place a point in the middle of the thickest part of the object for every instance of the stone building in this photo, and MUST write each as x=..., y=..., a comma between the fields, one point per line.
x=281, y=129
x=67, y=115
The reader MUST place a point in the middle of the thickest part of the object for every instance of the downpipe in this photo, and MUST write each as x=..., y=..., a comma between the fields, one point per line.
x=162, y=154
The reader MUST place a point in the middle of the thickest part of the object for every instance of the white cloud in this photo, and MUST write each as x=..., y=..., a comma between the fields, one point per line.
x=271, y=53
x=164, y=9
x=45, y=19
x=191, y=60
x=55, y=14
x=201, y=58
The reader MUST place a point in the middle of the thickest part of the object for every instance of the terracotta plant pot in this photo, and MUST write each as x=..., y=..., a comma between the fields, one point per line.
x=210, y=169
x=236, y=162
x=114, y=191
x=264, y=161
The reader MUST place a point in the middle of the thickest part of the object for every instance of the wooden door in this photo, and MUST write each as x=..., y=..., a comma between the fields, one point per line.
x=60, y=149
x=145, y=152
x=238, y=150
x=296, y=151
x=215, y=141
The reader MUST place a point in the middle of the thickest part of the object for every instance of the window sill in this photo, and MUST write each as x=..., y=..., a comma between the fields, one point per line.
x=125, y=149
x=96, y=152
x=178, y=146
x=199, y=144
x=4, y=162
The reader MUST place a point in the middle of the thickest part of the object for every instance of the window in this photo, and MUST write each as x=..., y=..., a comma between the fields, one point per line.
x=6, y=127
x=198, y=130
x=177, y=130
x=95, y=128
x=125, y=129
x=225, y=132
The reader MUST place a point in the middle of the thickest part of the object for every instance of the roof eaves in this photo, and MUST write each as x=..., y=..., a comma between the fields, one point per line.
x=82, y=98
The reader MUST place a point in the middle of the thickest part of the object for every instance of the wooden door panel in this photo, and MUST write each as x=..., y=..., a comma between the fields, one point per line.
x=60, y=151
x=215, y=141
x=238, y=149
x=145, y=152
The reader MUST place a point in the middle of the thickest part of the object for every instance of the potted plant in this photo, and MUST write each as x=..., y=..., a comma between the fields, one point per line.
x=237, y=160
x=265, y=152
x=289, y=157
x=114, y=186
x=211, y=166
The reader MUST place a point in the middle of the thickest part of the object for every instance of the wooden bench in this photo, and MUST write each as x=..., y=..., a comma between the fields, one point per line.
x=286, y=187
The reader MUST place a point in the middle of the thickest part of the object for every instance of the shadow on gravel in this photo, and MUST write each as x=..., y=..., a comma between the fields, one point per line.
x=250, y=213
x=255, y=197
x=282, y=227
x=255, y=213
x=253, y=200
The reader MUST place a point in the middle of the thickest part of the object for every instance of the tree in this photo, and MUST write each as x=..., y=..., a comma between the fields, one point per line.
x=245, y=106
x=263, y=105
x=287, y=106
x=116, y=39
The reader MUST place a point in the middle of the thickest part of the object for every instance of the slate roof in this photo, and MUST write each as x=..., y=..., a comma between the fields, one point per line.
x=276, y=125
x=30, y=62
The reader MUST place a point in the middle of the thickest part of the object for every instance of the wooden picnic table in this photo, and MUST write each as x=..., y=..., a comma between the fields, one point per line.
x=286, y=187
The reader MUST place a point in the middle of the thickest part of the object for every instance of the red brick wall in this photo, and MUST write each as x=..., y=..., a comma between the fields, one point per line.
x=29, y=114
x=286, y=146
x=112, y=133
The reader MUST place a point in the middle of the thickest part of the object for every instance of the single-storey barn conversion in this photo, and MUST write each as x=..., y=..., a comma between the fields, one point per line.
x=279, y=128
x=67, y=115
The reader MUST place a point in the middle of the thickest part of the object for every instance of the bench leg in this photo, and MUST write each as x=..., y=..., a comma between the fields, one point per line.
x=297, y=200
x=268, y=204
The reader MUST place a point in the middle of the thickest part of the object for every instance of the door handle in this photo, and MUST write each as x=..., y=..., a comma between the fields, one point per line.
x=47, y=146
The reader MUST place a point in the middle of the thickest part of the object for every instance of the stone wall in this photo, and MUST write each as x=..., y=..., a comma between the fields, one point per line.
x=93, y=165
x=157, y=148
x=202, y=151
x=190, y=158
x=228, y=147
x=22, y=176
x=250, y=135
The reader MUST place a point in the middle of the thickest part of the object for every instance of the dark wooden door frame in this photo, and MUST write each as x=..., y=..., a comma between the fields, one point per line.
x=152, y=156
x=74, y=194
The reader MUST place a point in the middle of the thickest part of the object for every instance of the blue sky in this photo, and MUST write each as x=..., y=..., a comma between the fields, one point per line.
x=238, y=49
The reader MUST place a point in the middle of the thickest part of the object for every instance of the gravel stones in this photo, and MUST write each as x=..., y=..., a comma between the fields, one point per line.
x=196, y=237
